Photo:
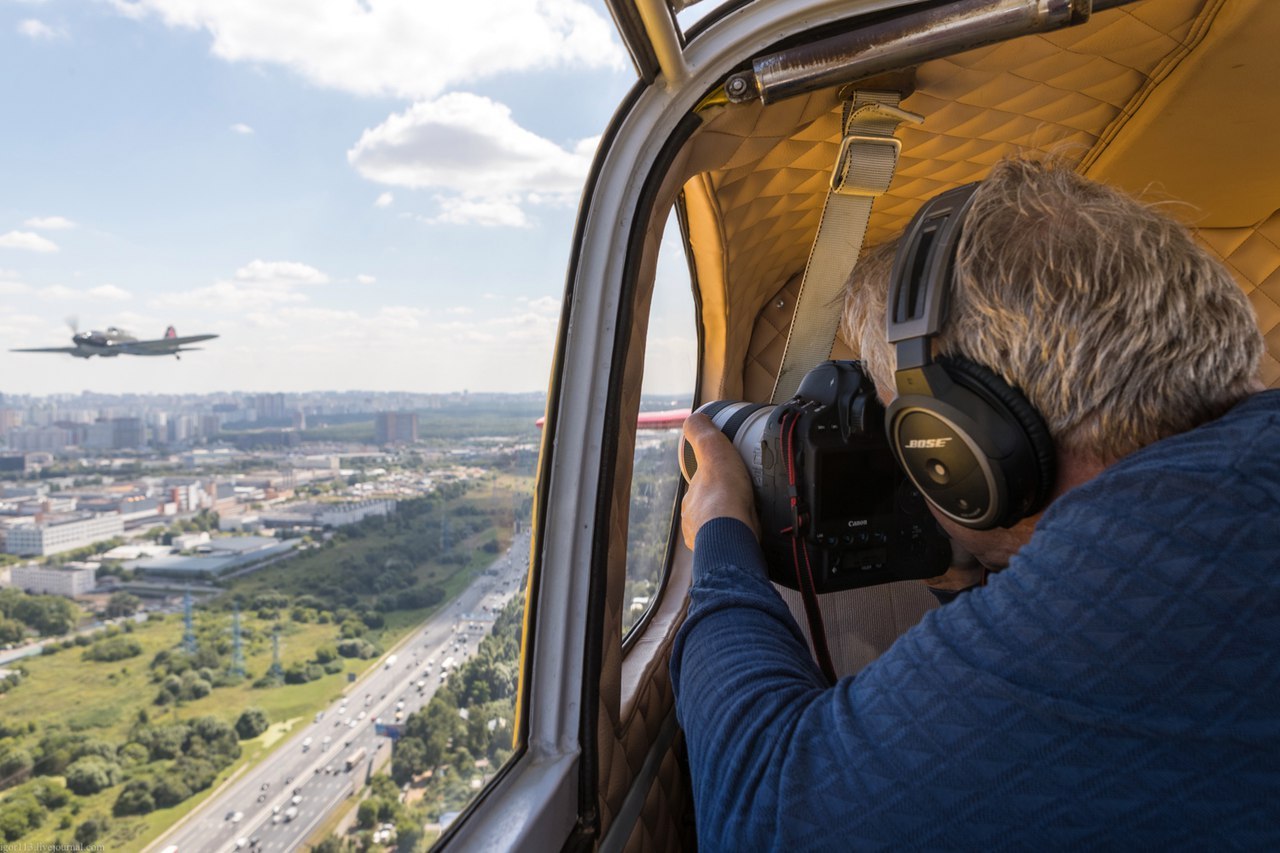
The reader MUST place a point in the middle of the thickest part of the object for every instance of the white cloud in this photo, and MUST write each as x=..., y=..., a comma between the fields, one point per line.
x=279, y=274
x=35, y=30
x=59, y=291
x=111, y=292
x=228, y=297
x=50, y=223
x=384, y=200
x=404, y=48
x=103, y=292
x=241, y=128
x=470, y=147
x=545, y=304
x=9, y=287
x=459, y=311
x=258, y=289
x=467, y=144
x=365, y=279
x=27, y=240
x=487, y=212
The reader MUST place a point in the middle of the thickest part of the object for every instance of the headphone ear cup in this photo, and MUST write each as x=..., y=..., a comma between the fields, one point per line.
x=1029, y=482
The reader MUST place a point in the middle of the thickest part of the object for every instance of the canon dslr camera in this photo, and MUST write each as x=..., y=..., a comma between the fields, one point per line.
x=832, y=501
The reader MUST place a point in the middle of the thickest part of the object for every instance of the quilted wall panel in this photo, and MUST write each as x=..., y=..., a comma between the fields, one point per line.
x=1070, y=90
x=1253, y=256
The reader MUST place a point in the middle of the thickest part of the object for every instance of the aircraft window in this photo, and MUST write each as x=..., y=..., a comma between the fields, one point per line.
x=277, y=314
x=695, y=12
x=670, y=375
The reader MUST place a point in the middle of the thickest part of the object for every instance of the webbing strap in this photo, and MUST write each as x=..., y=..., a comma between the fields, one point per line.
x=864, y=167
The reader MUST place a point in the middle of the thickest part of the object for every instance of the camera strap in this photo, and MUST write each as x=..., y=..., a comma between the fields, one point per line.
x=864, y=167
x=800, y=554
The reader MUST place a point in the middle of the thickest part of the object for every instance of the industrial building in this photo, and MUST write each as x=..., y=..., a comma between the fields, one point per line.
x=53, y=535
x=51, y=580
x=223, y=555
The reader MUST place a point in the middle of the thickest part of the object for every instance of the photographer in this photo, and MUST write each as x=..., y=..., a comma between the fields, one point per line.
x=1115, y=682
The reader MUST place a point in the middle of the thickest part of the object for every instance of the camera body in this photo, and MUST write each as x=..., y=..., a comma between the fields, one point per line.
x=821, y=464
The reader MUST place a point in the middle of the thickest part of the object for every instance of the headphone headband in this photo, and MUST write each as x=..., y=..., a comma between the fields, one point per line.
x=972, y=445
x=918, y=306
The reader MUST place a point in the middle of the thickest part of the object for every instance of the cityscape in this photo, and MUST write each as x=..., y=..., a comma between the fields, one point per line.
x=271, y=555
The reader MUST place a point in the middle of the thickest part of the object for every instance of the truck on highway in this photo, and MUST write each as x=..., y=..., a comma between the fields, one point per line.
x=391, y=661
x=355, y=758
x=290, y=813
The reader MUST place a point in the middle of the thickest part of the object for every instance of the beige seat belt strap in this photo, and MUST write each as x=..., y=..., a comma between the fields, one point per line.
x=864, y=167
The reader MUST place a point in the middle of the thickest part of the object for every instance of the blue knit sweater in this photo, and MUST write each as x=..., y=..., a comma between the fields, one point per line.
x=1118, y=686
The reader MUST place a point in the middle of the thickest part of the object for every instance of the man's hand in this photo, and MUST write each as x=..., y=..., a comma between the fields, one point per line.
x=964, y=572
x=721, y=486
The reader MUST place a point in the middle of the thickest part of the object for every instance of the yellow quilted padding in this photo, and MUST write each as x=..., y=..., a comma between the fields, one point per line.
x=1253, y=256
x=1058, y=93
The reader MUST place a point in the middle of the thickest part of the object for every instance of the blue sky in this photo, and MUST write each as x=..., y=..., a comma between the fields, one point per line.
x=355, y=194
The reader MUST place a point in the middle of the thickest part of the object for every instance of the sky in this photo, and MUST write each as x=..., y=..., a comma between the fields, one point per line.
x=353, y=194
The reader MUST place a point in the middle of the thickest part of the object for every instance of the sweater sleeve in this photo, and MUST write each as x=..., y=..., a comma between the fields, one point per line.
x=742, y=673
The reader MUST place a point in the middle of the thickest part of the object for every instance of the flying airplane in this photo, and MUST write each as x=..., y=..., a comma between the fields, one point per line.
x=730, y=135
x=116, y=341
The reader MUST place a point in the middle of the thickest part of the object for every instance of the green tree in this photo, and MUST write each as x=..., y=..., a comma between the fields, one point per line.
x=91, y=830
x=409, y=835
x=408, y=759
x=13, y=824
x=12, y=631
x=169, y=791
x=122, y=604
x=367, y=814
x=50, y=615
x=252, y=722
x=132, y=754
x=14, y=762
x=134, y=799
x=94, y=746
x=113, y=649
x=91, y=774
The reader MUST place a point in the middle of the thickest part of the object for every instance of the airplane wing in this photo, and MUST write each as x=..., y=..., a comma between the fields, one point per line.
x=160, y=346
x=671, y=419
x=48, y=349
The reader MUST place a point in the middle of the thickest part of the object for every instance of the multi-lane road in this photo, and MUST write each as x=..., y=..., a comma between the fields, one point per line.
x=276, y=804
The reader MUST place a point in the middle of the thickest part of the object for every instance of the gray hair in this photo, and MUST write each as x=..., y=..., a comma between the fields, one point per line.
x=1116, y=325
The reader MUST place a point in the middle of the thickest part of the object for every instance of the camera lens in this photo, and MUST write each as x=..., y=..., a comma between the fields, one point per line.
x=742, y=423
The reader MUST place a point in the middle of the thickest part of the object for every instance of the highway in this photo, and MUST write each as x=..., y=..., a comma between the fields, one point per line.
x=309, y=771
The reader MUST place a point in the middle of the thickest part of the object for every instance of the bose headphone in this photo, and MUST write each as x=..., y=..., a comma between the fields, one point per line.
x=971, y=443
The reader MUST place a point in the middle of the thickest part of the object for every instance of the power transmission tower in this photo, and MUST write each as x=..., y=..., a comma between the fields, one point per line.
x=237, y=647
x=189, y=631
x=276, y=671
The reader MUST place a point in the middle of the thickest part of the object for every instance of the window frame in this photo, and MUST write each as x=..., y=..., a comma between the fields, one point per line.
x=634, y=633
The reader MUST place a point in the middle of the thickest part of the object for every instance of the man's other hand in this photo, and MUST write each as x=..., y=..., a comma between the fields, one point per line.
x=721, y=486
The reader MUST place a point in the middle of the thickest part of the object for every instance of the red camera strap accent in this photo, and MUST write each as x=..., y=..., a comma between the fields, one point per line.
x=804, y=579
